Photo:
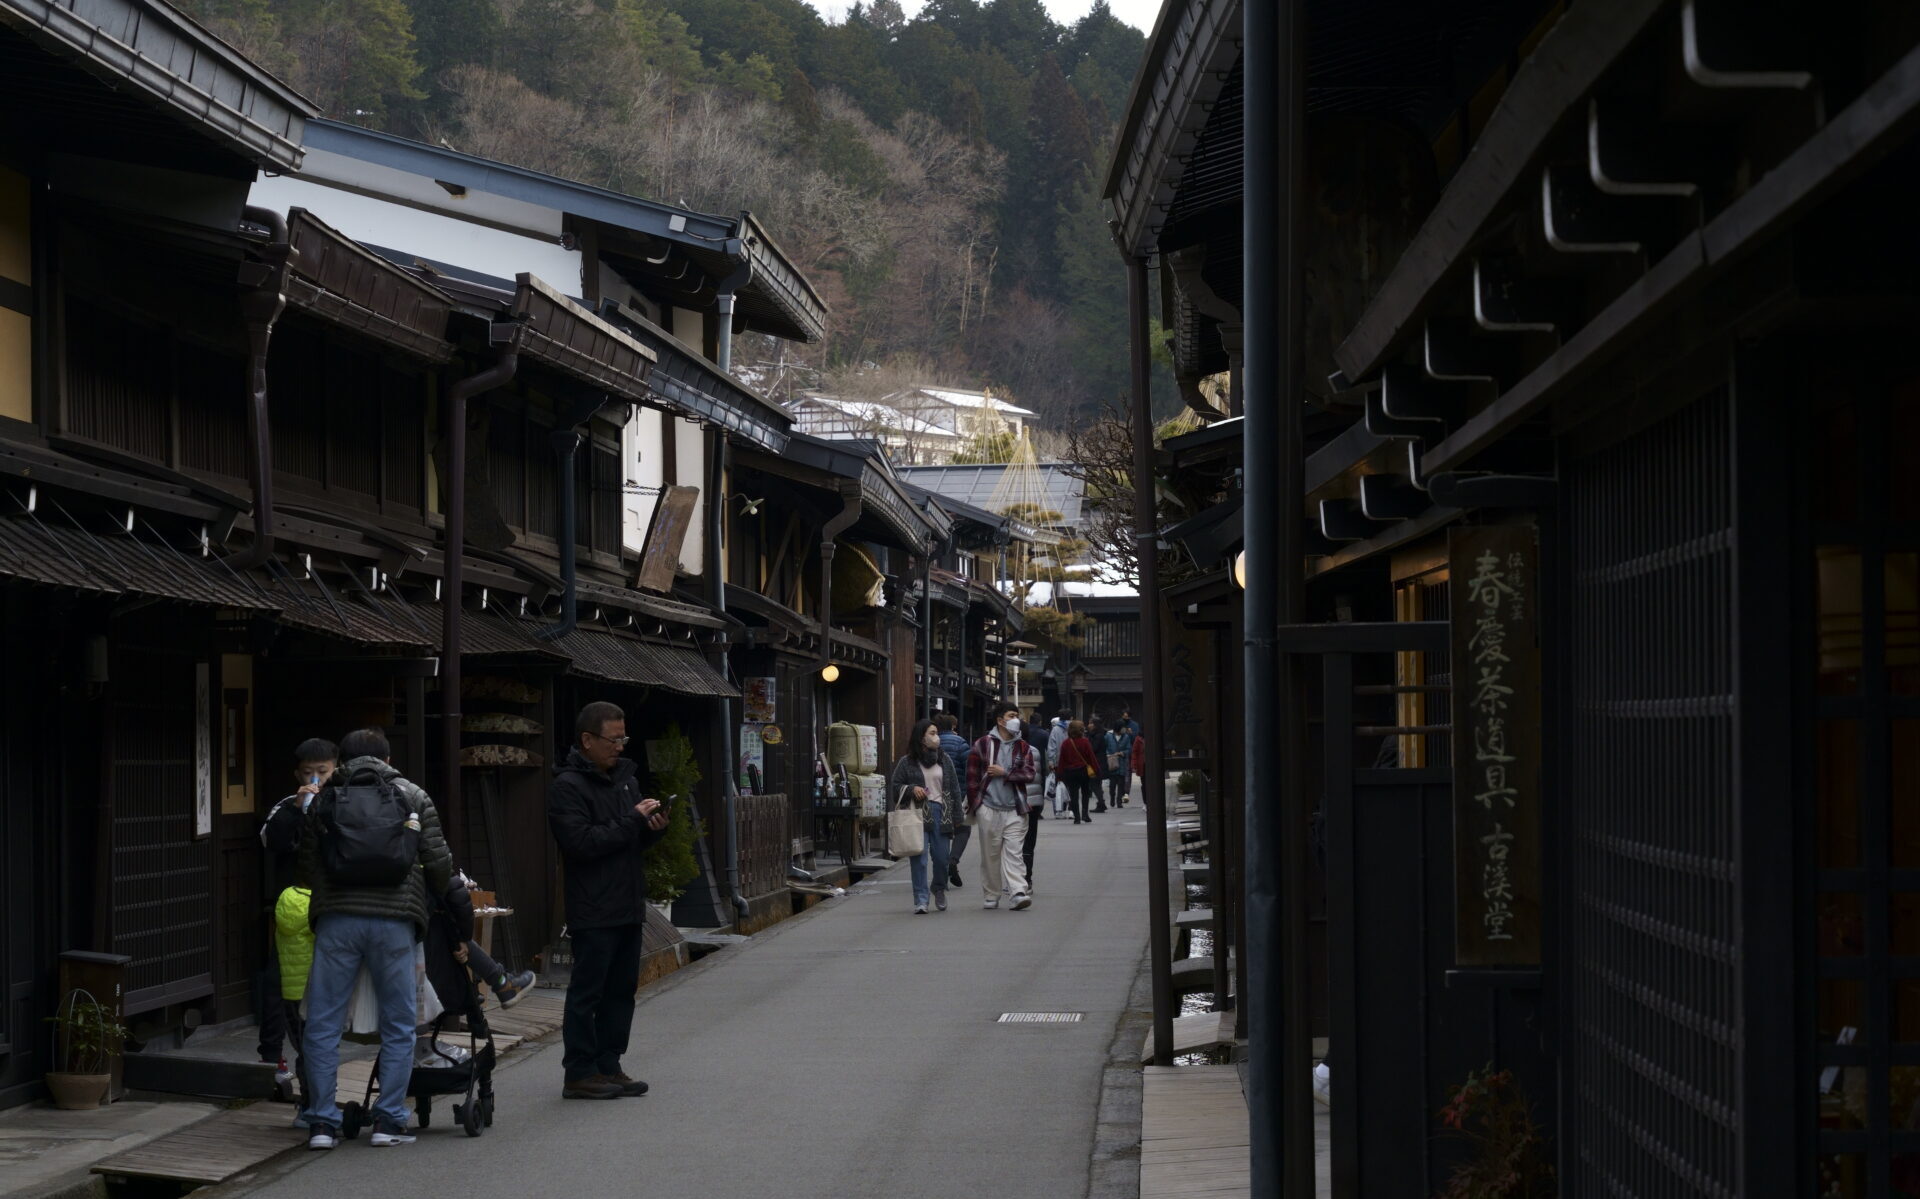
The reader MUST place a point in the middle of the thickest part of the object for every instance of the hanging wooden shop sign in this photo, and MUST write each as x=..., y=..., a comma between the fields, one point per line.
x=1495, y=607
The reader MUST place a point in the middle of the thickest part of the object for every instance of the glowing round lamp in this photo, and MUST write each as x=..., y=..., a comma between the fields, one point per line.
x=830, y=673
x=1240, y=570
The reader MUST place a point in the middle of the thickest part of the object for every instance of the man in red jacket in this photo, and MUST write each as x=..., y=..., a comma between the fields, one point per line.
x=999, y=767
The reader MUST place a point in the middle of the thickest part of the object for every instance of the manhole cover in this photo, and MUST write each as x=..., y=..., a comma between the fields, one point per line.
x=1039, y=1018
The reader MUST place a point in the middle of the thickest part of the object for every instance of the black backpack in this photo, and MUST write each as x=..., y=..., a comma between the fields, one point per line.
x=369, y=832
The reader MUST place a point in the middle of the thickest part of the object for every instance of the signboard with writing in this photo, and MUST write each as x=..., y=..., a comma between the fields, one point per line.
x=202, y=750
x=759, y=699
x=1495, y=606
x=672, y=517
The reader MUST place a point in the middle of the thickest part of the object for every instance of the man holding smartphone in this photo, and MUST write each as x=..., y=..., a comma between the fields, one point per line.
x=604, y=827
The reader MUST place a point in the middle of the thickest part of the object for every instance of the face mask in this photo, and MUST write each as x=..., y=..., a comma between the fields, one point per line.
x=1013, y=726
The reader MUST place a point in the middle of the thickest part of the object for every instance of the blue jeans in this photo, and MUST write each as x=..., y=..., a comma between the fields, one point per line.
x=936, y=852
x=341, y=945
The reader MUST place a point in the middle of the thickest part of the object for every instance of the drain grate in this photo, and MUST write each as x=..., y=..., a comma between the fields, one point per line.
x=1039, y=1018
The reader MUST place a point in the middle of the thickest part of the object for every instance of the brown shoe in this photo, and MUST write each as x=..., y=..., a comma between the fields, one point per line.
x=593, y=1086
x=633, y=1088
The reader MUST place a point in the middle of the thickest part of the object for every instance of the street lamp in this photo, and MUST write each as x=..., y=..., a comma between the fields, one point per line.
x=830, y=673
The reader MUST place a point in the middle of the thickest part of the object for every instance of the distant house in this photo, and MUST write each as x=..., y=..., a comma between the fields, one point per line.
x=966, y=413
x=907, y=437
x=920, y=426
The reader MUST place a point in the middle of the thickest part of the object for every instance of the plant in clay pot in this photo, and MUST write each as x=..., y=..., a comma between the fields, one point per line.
x=86, y=1037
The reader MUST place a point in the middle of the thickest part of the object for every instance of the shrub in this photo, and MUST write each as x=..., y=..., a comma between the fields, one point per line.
x=671, y=862
x=1509, y=1157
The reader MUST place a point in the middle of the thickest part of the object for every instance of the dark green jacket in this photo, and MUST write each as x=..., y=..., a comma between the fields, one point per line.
x=408, y=901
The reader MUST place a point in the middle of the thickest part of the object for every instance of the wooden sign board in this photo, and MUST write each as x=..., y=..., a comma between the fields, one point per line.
x=672, y=517
x=1495, y=594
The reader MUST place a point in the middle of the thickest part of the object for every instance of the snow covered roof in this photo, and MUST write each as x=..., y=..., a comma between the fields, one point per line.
x=874, y=414
x=973, y=399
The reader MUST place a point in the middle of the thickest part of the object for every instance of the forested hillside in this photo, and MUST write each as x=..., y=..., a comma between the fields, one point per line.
x=937, y=177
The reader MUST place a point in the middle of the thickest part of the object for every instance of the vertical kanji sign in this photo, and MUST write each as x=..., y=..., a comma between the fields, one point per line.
x=1495, y=610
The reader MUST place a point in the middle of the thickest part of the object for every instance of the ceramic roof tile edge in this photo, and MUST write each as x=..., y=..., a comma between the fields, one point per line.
x=274, y=144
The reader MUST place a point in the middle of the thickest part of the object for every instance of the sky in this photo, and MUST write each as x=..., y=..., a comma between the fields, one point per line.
x=1137, y=13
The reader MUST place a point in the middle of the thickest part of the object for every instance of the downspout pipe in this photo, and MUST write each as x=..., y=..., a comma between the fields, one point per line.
x=840, y=523
x=263, y=298
x=1279, y=1053
x=1146, y=547
x=567, y=442
x=926, y=633
x=723, y=707
x=506, y=362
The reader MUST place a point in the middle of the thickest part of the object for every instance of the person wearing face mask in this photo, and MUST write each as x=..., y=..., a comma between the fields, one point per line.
x=928, y=778
x=999, y=767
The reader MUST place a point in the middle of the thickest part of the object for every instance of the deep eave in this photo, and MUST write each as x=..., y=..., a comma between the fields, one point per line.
x=175, y=64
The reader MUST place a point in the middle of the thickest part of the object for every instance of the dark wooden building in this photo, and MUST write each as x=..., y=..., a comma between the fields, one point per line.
x=1599, y=577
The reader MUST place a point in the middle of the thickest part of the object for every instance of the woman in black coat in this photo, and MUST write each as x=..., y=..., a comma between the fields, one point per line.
x=926, y=777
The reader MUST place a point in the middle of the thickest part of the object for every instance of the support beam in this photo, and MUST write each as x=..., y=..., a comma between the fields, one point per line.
x=1153, y=686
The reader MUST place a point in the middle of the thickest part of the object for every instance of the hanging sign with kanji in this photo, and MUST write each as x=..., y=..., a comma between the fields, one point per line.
x=1495, y=612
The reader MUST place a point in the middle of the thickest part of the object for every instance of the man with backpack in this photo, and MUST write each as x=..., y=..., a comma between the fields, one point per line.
x=372, y=854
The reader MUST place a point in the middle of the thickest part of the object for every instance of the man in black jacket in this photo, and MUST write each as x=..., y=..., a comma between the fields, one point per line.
x=603, y=826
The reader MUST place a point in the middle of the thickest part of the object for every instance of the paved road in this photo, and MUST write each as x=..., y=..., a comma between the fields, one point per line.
x=851, y=1052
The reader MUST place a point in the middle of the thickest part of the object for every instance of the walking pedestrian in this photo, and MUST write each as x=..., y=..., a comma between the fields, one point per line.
x=1058, y=795
x=999, y=767
x=1097, y=738
x=603, y=827
x=1117, y=745
x=1077, y=769
x=956, y=746
x=372, y=853
x=313, y=763
x=927, y=777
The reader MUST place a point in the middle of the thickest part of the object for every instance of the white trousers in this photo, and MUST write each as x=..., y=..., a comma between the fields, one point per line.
x=1002, y=834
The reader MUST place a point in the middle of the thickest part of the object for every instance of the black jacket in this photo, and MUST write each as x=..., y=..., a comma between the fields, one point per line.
x=602, y=840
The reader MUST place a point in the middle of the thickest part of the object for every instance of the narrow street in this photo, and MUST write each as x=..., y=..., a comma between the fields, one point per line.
x=795, y=1064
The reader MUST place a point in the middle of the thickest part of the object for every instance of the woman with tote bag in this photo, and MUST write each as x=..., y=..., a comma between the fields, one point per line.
x=923, y=782
x=1077, y=768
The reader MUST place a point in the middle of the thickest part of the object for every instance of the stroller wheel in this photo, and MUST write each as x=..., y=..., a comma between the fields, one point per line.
x=352, y=1116
x=471, y=1119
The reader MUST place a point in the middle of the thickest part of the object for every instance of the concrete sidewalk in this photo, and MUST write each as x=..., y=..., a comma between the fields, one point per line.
x=854, y=1051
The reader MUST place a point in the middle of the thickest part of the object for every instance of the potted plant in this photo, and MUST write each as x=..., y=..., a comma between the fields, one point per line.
x=1188, y=783
x=1506, y=1153
x=671, y=862
x=86, y=1036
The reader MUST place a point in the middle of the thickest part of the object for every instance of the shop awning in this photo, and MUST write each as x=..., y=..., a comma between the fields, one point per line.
x=58, y=549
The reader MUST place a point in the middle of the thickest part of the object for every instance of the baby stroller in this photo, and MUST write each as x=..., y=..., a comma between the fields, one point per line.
x=440, y=1068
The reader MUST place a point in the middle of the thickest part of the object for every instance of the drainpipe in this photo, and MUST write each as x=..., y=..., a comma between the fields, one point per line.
x=262, y=300
x=1146, y=546
x=926, y=635
x=849, y=512
x=506, y=361
x=726, y=290
x=717, y=592
x=567, y=442
x=1279, y=1098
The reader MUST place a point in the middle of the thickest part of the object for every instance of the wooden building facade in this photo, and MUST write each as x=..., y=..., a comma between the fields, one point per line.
x=1603, y=544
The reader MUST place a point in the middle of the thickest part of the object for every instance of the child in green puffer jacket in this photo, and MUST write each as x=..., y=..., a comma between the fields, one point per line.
x=293, y=945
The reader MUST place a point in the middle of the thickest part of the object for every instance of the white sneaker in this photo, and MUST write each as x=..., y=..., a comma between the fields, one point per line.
x=322, y=1138
x=919, y=909
x=1322, y=1085
x=991, y=903
x=385, y=1137
x=1022, y=902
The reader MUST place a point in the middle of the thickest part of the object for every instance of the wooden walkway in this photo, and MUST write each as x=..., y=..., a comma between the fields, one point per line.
x=1193, y=1133
x=232, y=1142
x=1194, y=1033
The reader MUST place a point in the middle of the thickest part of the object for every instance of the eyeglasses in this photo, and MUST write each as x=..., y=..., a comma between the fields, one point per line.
x=616, y=742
